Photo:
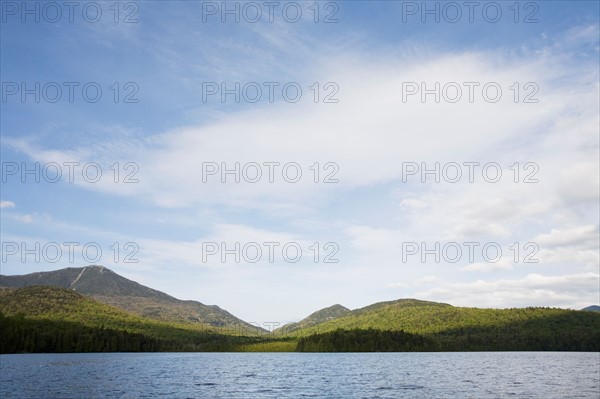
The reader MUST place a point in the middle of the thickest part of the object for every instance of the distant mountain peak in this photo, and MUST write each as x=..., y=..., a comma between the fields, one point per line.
x=331, y=311
x=104, y=285
x=318, y=317
x=338, y=311
x=593, y=308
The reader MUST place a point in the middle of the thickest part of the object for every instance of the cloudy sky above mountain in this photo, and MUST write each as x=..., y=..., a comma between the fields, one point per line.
x=453, y=160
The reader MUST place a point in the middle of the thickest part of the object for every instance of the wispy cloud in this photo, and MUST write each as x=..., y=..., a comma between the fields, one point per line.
x=369, y=136
x=7, y=204
x=574, y=290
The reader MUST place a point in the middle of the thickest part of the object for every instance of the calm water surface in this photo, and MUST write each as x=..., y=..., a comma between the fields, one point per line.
x=293, y=375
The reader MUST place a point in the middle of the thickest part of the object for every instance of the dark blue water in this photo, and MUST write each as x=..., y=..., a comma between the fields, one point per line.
x=293, y=375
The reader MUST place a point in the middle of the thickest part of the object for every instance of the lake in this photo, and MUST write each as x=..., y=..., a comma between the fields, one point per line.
x=290, y=375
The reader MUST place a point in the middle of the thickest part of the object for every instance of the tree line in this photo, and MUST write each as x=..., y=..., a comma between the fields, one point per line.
x=24, y=335
x=507, y=338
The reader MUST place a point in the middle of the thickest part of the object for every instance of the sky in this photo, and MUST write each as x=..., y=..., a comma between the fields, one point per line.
x=277, y=158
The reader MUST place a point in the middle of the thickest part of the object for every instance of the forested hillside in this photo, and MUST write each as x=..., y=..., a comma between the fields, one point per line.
x=52, y=319
x=461, y=329
x=422, y=317
x=108, y=287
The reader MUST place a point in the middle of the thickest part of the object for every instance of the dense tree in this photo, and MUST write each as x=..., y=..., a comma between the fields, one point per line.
x=502, y=338
x=50, y=319
x=365, y=341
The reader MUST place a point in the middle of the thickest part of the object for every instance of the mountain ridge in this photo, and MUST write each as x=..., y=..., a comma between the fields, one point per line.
x=424, y=317
x=315, y=318
x=106, y=286
x=332, y=313
x=55, y=319
x=41, y=318
x=592, y=308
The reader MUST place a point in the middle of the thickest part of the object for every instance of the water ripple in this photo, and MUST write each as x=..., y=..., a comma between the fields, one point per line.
x=479, y=375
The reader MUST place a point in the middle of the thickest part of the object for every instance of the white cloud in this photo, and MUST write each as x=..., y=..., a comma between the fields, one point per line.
x=25, y=218
x=575, y=290
x=6, y=204
x=428, y=280
x=586, y=236
x=369, y=134
x=502, y=264
x=580, y=183
x=366, y=133
x=412, y=203
x=425, y=280
x=572, y=258
x=190, y=253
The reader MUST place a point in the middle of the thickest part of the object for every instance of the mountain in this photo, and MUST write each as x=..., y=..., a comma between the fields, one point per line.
x=593, y=308
x=108, y=287
x=60, y=304
x=414, y=325
x=443, y=320
x=53, y=319
x=95, y=309
x=335, y=312
x=318, y=317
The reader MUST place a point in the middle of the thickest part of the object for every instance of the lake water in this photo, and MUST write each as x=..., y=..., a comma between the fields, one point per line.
x=286, y=375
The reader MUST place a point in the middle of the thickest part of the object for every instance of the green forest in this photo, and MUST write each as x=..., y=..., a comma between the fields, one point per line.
x=366, y=341
x=463, y=340
x=51, y=319
x=22, y=335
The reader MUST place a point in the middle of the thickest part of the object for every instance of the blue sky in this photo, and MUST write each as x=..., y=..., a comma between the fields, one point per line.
x=169, y=52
